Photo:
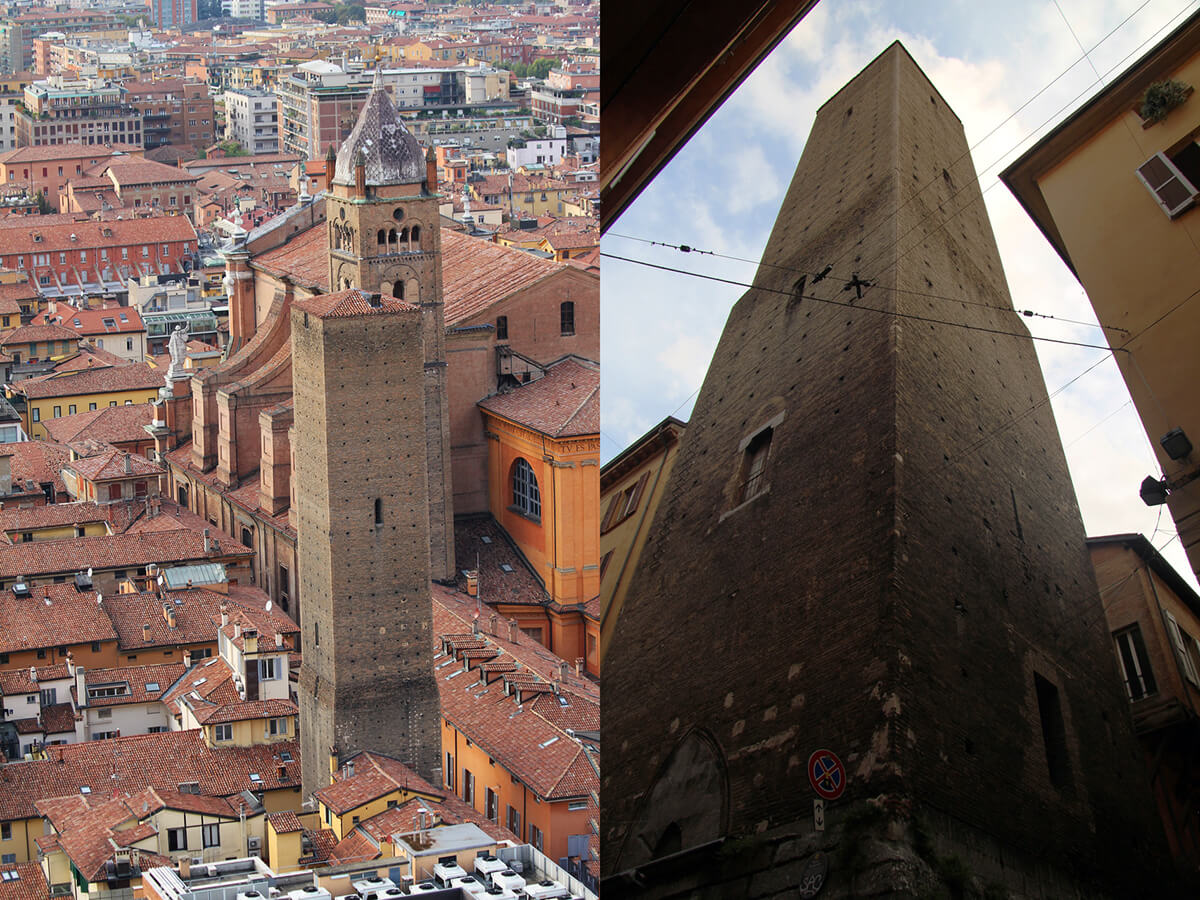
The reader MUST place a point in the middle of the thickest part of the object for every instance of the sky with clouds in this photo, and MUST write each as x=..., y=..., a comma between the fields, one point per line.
x=1011, y=72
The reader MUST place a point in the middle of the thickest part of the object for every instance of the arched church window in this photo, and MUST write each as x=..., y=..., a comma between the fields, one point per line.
x=381, y=238
x=416, y=237
x=398, y=289
x=526, y=498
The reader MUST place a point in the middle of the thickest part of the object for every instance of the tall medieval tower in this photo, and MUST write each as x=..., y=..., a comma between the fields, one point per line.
x=385, y=236
x=870, y=546
x=372, y=458
x=363, y=533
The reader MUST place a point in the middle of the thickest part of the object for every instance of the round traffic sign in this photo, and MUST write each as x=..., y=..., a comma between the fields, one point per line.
x=826, y=774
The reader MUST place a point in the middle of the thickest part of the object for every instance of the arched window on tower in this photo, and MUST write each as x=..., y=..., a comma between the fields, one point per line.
x=247, y=538
x=398, y=289
x=391, y=239
x=415, y=242
x=381, y=238
x=526, y=498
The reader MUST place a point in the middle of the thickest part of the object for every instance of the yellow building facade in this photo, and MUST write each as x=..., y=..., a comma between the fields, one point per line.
x=1116, y=196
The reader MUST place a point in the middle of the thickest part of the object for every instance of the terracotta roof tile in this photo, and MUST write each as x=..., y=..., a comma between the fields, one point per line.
x=93, y=235
x=56, y=514
x=143, y=683
x=197, y=617
x=304, y=259
x=351, y=303
x=528, y=744
x=117, y=551
x=210, y=680
x=28, y=334
x=30, y=883
x=58, y=718
x=112, y=424
x=131, y=764
x=246, y=709
x=477, y=274
x=285, y=822
x=115, y=464
x=38, y=461
x=565, y=402
x=29, y=623
x=17, y=681
x=93, y=321
x=133, y=377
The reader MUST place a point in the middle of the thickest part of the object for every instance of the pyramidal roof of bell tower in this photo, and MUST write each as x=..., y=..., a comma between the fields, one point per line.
x=390, y=153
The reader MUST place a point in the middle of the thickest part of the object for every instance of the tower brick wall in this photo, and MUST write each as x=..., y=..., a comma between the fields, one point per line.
x=364, y=569
x=870, y=544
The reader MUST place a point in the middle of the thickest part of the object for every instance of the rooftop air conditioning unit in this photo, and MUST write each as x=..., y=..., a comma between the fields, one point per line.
x=250, y=895
x=487, y=866
x=373, y=884
x=424, y=887
x=444, y=873
x=310, y=892
x=546, y=890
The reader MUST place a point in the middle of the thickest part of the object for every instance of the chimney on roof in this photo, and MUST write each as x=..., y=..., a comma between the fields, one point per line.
x=224, y=613
x=282, y=772
x=146, y=632
x=278, y=640
x=250, y=640
x=128, y=464
x=579, y=667
x=431, y=180
x=512, y=630
x=207, y=542
x=187, y=659
x=563, y=669
x=493, y=620
x=169, y=614
x=475, y=625
x=472, y=583
x=185, y=868
x=5, y=474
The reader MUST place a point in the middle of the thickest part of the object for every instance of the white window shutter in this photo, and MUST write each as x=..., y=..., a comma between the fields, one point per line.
x=1171, y=189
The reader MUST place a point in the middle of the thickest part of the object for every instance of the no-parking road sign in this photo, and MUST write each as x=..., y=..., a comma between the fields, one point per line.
x=826, y=774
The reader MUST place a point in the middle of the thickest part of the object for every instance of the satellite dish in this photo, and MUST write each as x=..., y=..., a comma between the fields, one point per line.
x=89, y=571
x=269, y=605
x=161, y=580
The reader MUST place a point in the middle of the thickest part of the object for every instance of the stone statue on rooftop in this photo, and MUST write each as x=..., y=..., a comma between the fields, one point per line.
x=177, y=347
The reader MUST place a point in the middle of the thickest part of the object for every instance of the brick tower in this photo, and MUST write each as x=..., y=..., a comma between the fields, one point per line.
x=384, y=235
x=363, y=533
x=870, y=545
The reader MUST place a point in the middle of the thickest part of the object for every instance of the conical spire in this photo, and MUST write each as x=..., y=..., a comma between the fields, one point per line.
x=392, y=155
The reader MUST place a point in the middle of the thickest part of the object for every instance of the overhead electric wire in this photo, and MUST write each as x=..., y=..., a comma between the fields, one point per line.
x=1028, y=313
x=848, y=305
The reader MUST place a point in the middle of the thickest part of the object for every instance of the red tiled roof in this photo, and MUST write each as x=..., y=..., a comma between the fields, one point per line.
x=304, y=259
x=133, y=377
x=93, y=235
x=131, y=764
x=211, y=680
x=28, y=334
x=63, y=151
x=285, y=822
x=17, y=681
x=94, y=321
x=89, y=357
x=351, y=303
x=72, y=616
x=145, y=683
x=21, y=290
x=30, y=883
x=197, y=617
x=374, y=776
x=114, y=464
x=244, y=710
x=535, y=749
x=38, y=461
x=55, y=514
x=477, y=273
x=111, y=424
x=565, y=402
x=128, y=171
x=118, y=551
x=58, y=718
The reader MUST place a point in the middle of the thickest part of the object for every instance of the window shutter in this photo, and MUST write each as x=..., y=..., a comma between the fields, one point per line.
x=610, y=513
x=1185, y=659
x=632, y=505
x=1169, y=186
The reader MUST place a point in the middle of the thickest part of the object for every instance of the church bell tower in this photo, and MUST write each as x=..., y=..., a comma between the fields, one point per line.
x=384, y=236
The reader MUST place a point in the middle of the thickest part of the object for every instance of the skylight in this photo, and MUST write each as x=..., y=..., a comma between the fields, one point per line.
x=10, y=875
x=285, y=756
x=505, y=567
x=152, y=685
x=544, y=744
x=255, y=777
x=485, y=539
x=85, y=789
